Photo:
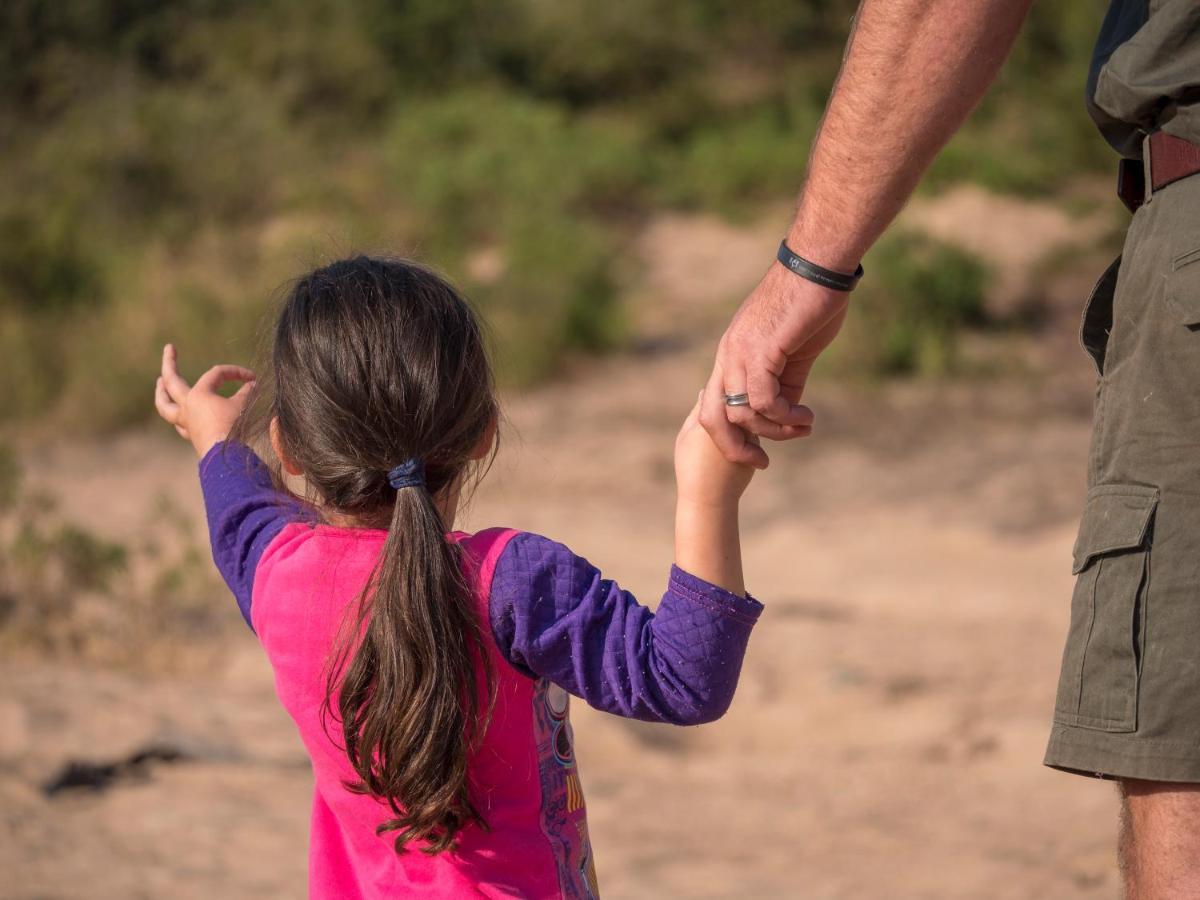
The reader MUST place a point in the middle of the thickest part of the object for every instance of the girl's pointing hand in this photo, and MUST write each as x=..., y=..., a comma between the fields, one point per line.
x=199, y=412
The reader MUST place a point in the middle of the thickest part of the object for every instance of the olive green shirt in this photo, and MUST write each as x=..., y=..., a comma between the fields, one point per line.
x=1145, y=74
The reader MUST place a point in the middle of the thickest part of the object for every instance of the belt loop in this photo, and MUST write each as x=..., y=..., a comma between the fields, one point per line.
x=1147, y=165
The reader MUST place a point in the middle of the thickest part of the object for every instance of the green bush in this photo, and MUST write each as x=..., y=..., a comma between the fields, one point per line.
x=908, y=317
x=47, y=569
x=736, y=167
x=47, y=277
x=527, y=183
x=43, y=268
x=10, y=478
x=67, y=591
x=166, y=167
x=1032, y=134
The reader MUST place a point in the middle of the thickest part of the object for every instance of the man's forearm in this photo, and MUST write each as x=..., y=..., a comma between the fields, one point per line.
x=914, y=71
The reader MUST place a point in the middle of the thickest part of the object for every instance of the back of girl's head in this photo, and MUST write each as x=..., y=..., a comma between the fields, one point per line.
x=379, y=363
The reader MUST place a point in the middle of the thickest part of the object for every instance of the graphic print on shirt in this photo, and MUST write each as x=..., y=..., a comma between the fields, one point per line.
x=564, y=817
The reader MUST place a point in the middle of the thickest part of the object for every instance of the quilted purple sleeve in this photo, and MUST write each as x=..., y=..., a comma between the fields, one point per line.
x=245, y=512
x=555, y=616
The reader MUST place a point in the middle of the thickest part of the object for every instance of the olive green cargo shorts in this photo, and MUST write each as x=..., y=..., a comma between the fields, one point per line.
x=1128, y=701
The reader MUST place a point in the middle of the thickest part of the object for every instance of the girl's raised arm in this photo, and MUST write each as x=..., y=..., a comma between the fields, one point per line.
x=245, y=511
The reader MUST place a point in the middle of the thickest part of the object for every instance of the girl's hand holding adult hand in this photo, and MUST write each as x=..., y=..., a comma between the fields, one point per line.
x=709, y=487
x=704, y=476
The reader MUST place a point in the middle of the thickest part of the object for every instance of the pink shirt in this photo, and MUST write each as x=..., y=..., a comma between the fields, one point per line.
x=530, y=796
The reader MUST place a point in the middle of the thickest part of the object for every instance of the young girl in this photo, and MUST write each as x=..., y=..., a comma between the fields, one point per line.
x=428, y=670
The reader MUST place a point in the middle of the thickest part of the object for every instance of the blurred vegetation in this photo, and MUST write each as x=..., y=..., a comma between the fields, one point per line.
x=70, y=593
x=922, y=295
x=165, y=168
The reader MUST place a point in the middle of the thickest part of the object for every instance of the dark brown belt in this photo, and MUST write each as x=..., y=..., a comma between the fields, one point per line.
x=1171, y=158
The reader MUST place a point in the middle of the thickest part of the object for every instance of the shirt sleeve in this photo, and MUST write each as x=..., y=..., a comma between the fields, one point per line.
x=245, y=513
x=554, y=616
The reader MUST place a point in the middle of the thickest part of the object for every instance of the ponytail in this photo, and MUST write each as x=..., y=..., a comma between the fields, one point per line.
x=375, y=359
x=409, y=692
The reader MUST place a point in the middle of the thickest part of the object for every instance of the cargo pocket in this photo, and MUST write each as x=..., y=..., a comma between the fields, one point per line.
x=1099, y=684
x=1183, y=288
x=1098, y=315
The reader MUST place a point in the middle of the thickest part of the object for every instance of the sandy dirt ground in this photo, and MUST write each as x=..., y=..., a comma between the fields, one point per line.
x=887, y=734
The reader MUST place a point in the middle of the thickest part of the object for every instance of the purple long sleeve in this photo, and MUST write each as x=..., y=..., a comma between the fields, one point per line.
x=554, y=616
x=245, y=512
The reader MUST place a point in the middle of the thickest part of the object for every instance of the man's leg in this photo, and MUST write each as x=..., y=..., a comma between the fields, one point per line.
x=1160, y=840
x=1128, y=705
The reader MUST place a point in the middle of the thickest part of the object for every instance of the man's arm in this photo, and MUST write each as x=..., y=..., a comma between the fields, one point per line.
x=913, y=71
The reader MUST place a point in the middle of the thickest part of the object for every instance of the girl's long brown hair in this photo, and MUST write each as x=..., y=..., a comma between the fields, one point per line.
x=378, y=361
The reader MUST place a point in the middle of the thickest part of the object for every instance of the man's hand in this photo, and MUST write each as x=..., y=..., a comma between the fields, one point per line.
x=913, y=70
x=198, y=412
x=768, y=352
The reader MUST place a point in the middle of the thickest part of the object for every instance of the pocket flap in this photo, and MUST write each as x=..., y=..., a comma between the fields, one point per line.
x=1116, y=517
x=1183, y=287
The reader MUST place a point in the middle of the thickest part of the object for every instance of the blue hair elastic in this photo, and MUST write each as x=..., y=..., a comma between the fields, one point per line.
x=410, y=473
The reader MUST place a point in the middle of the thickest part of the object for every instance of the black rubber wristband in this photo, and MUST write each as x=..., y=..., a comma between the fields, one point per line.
x=835, y=281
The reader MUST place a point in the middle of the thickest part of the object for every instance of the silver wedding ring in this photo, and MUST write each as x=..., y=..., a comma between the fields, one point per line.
x=737, y=399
